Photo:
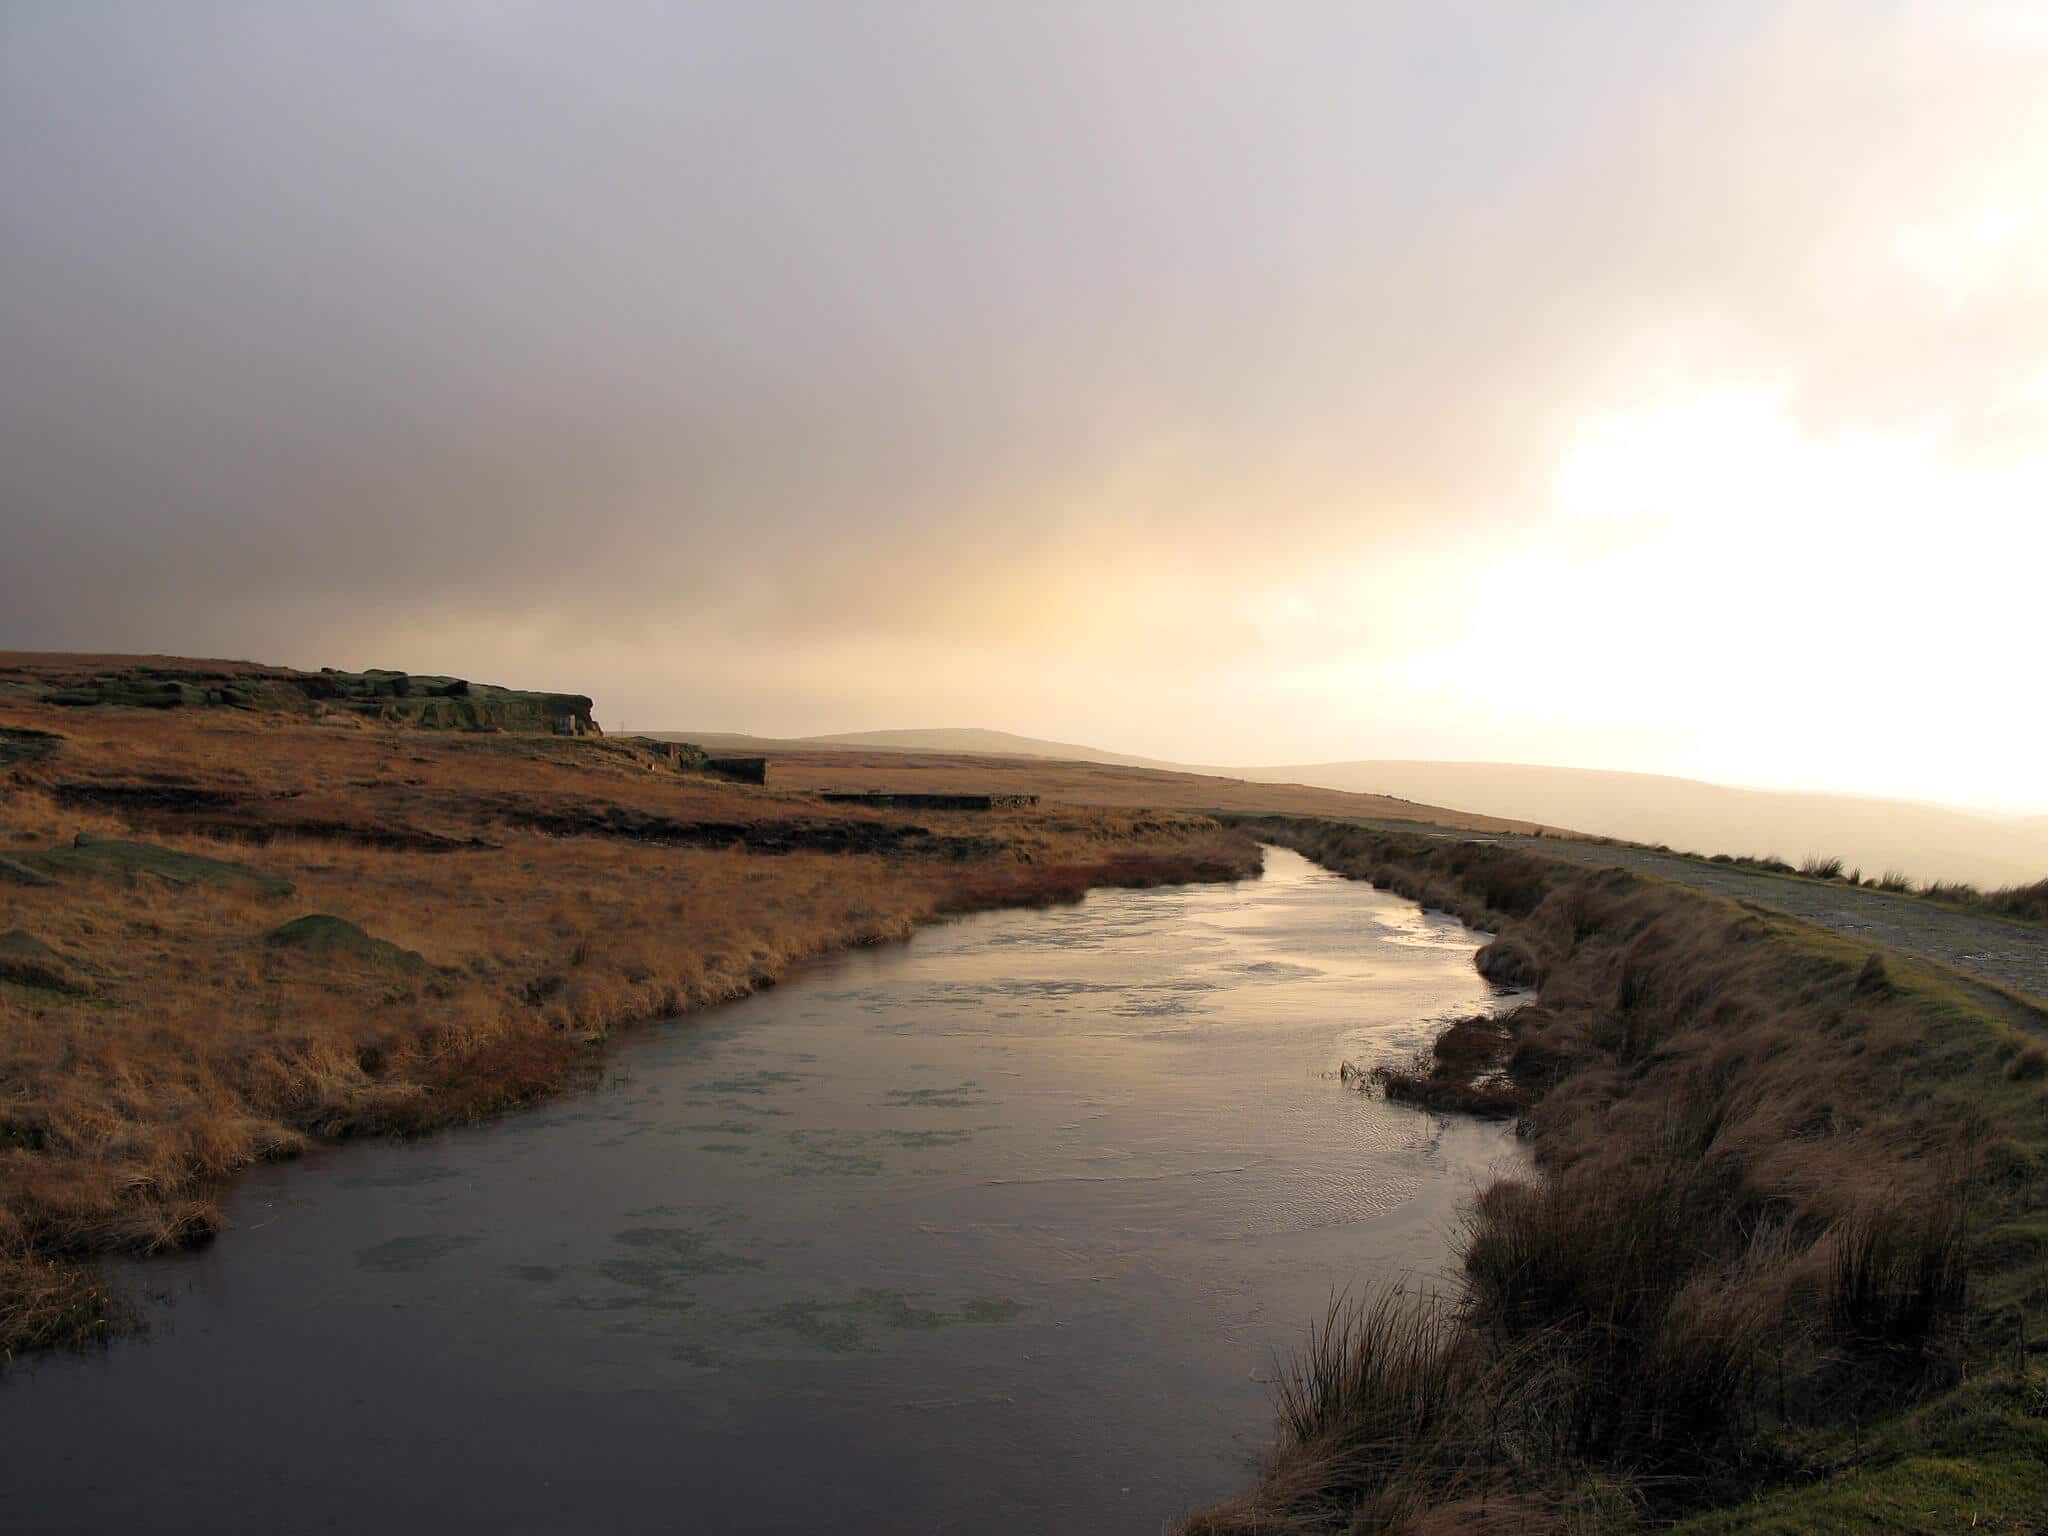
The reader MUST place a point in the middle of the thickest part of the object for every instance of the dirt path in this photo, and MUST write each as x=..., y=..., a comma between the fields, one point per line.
x=2007, y=954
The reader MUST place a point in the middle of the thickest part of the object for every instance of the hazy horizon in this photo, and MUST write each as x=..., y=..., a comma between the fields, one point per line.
x=1990, y=812
x=1654, y=388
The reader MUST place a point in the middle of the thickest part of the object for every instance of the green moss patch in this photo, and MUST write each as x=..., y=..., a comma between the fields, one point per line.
x=107, y=856
x=1987, y=1472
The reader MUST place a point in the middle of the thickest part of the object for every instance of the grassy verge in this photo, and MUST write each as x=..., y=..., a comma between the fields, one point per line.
x=241, y=932
x=1779, y=1268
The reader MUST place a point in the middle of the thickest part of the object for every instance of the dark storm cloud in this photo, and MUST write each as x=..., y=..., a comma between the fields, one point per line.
x=583, y=291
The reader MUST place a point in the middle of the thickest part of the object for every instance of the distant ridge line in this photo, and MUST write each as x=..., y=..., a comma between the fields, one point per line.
x=1925, y=840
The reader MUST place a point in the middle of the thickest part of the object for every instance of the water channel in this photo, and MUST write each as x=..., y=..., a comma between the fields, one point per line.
x=996, y=1231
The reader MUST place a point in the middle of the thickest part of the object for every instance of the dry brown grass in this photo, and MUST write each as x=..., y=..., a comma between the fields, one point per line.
x=2029, y=902
x=805, y=766
x=201, y=1048
x=1766, y=1165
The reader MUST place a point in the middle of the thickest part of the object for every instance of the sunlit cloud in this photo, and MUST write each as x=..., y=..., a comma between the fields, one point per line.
x=1653, y=387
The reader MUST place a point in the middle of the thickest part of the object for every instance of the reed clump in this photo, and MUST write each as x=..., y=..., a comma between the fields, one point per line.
x=2023, y=901
x=1461, y=1073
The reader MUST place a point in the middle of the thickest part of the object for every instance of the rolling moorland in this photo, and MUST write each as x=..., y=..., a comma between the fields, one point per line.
x=807, y=765
x=1959, y=926
x=1927, y=842
x=242, y=909
x=1782, y=1266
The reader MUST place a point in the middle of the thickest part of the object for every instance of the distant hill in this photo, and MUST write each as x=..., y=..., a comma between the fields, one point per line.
x=814, y=765
x=1927, y=842
x=971, y=739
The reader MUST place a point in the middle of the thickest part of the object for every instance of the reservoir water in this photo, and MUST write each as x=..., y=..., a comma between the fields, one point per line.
x=997, y=1231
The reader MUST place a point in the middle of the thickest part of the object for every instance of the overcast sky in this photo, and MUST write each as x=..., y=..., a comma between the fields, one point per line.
x=1641, y=385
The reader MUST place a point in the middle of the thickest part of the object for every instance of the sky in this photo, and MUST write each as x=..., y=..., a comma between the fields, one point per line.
x=1624, y=384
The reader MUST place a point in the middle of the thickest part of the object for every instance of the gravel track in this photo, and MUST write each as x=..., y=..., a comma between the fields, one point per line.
x=2005, y=953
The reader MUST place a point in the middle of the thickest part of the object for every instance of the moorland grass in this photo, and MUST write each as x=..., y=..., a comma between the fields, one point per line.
x=162, y=1025
x=1785, y=1200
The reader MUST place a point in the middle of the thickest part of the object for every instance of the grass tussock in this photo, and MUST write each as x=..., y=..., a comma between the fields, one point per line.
x=1461, y=1073
x=1774, y=1181
x=158, y=1033
x=2029, y=902
x=2024, y=903
x=46, y=1303
x=1764, y=863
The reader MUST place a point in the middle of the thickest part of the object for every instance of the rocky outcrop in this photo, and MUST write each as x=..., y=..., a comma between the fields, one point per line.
x=430, y=700
x=688, y=757
x=453, y=703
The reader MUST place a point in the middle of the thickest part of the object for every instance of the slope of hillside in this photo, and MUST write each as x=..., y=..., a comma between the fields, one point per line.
x=808, y=764
x=1927, y=842
x=985, y=743
x=239, y=916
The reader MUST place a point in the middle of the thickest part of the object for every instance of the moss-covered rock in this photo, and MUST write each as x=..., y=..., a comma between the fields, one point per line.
x=322, y=933
x=15, y=872
x=107, y=856
x=27, y=961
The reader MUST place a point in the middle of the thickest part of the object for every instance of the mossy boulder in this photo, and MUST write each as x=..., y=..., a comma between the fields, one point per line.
x=321, y=933
x=27, y=961
x=107, y=856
